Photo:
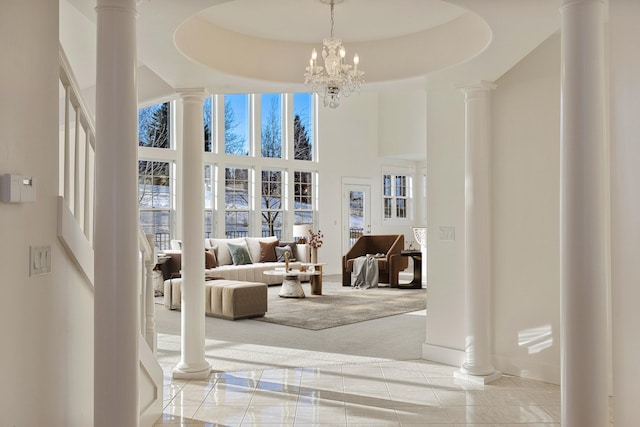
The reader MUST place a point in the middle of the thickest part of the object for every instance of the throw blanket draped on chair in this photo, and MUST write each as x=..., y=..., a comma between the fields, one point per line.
x=365, y=272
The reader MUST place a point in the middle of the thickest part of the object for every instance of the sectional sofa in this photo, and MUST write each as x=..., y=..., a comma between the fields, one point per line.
x=223, y=258
x=237, y=267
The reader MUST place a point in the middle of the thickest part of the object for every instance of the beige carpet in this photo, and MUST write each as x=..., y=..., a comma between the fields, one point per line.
x=340, y=305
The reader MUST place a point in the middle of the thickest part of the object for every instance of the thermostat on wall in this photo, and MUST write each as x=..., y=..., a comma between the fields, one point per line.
x=15, y=188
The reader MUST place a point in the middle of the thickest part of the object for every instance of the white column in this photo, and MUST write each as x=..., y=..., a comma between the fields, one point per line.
x=150, y=261
x=478, y=366
x=116, y=319
x=193, y=363
x=625, y=207
x=582, y=211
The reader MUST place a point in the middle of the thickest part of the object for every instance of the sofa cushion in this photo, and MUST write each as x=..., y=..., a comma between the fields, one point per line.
x=280, y=251
x=210, y=259
x=253, y=243
x=223, y=255
x=172, y=266
x=267, y=251
x=239, y=253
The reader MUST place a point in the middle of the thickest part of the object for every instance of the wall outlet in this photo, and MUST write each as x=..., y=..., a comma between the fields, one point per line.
x=39, y=260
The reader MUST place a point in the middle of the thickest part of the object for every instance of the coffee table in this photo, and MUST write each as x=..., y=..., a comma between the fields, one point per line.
x=291, y=286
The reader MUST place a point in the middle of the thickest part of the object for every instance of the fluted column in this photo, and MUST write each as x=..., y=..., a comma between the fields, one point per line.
x=193, y=363
x=478, y=366
x=582, y=211
x=116, y=302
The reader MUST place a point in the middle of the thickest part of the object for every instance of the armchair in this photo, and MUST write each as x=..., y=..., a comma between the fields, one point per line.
x=388, y=245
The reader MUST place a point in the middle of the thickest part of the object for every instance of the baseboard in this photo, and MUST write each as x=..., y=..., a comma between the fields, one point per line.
x=523, y=368
x=446, y=355
x=526, y=368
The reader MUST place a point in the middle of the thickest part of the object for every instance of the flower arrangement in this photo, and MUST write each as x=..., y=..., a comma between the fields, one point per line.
x=315, y=239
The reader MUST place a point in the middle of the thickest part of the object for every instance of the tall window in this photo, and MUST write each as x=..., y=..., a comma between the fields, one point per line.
x=209, y=197
x=271, y=203
x=236, y=200
x=396, y=196
x=153, y=126
x=302, y=127
x=154, y=197
x=236, y=125
x=208, y=125
x=154, y=177
x=271, y=125
x=303, y=197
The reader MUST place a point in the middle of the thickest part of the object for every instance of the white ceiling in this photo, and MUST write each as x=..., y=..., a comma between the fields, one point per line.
x=264, y=45
x=309, y=21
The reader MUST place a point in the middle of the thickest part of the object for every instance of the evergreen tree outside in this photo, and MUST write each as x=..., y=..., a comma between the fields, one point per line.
x=208, y=126
x=302, y=148
x=153, y=126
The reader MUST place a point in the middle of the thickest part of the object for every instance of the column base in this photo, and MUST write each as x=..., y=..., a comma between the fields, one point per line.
x=191, y=372
x=477, y=379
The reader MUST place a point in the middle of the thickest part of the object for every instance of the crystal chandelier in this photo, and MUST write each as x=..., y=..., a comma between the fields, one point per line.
x=336, y=78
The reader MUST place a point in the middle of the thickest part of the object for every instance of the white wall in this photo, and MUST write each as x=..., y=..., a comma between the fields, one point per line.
x=445, y=208
x=526, y=206
x=625, y=208
x=525, y=215
x=46, y=322
x=402, y=126
x=349, y=149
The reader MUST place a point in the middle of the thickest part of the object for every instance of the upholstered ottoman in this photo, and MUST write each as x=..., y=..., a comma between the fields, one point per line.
x=228, y=299
x=232, y=299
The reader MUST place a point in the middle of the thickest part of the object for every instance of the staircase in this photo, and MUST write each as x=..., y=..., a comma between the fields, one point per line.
x=75, y=232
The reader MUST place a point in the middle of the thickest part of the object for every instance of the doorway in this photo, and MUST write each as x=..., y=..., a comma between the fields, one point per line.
x=356, y=213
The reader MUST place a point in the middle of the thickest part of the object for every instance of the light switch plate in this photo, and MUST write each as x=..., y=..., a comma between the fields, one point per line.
x=39, y=260
x=447, y=233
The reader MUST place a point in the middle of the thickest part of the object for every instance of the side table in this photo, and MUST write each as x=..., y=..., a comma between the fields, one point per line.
x=416, y=283
x=316, y=277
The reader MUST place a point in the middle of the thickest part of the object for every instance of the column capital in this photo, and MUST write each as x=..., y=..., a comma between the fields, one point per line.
x=565, y=3
x=121, y=5
x=192, y=93
x=476, y=87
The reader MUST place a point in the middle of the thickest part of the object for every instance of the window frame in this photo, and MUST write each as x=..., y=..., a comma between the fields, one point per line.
x=392, y=201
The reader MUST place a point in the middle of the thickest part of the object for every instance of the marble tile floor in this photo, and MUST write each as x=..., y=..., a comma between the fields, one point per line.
x=357, y=393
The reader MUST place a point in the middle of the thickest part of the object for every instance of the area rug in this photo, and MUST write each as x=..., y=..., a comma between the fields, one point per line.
x=340, y=305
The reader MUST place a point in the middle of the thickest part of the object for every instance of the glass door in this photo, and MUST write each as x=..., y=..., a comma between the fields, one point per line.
x=355, y=213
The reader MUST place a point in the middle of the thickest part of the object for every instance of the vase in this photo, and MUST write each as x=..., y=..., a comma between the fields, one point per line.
x=314, y=255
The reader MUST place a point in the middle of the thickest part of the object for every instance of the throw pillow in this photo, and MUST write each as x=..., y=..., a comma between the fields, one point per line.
x=267, y=251
x=171, y=268
x=210, y=259
x=280, y=250
x=239, y=253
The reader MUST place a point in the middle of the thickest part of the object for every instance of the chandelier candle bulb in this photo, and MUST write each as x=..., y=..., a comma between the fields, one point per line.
x=336, y=78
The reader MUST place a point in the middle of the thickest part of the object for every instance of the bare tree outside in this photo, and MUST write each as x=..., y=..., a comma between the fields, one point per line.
x=271, y=202
x=234, y=142
x=154, y=176
x=271, y=128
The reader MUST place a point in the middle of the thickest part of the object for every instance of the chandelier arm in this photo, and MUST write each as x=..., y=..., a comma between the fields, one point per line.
x=337, y=78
